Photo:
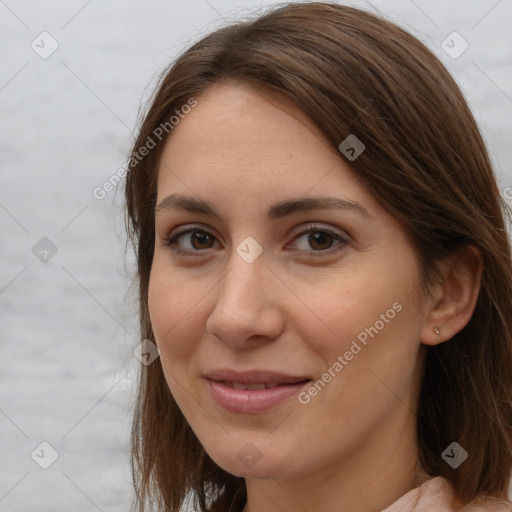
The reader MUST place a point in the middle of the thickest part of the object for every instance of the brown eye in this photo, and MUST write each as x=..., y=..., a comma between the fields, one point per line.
x=320, y=240
x=196, y=240
x=201, y=239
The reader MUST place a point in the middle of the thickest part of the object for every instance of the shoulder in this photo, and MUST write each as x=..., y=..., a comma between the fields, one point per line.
x=479, y=504
x=485, y=504
x=439, y=494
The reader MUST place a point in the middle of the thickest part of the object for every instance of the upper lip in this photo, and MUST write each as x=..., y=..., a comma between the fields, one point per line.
x=253, y=376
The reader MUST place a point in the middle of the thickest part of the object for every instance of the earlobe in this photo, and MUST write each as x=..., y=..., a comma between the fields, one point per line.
x=454, y=299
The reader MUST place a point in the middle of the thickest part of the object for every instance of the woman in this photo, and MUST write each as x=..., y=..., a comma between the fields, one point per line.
x=324, y=266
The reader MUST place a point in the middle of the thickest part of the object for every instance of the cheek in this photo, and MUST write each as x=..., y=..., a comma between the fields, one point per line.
x=171, y=304
x=378, y=355
x=369, y=315
x=336, y=309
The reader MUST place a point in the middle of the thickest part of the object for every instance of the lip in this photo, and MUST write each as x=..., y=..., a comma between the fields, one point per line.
x=252, y=401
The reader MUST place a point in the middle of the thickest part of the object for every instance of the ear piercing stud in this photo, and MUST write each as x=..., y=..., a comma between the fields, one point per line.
x=437, y=331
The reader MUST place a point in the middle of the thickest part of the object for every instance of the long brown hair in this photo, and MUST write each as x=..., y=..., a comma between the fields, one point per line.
x=425, y=161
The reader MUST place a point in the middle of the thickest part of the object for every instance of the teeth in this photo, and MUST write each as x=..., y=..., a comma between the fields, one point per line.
x=239, y=385
x=259, y=385
x=243, y=386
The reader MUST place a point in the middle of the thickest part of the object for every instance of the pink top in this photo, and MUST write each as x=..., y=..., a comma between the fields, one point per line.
x=438, y=495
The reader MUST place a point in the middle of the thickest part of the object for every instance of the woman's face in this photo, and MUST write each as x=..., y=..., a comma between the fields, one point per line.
x=314, y=307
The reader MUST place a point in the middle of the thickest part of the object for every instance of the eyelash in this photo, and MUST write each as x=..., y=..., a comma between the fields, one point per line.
x=171, y=240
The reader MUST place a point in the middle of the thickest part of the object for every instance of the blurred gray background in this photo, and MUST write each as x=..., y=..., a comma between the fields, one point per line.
x=73, y=76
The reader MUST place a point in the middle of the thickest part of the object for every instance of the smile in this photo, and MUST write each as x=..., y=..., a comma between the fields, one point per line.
x=252, y=398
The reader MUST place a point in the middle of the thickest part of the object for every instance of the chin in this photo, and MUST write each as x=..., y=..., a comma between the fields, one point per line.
x=250, y=462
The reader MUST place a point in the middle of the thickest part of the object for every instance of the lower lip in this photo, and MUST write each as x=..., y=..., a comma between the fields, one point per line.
x=251, y=401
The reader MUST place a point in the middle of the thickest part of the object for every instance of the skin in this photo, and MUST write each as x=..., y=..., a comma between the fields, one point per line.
x=353, y=446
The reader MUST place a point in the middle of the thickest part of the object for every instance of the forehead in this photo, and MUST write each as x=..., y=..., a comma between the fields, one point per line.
x=243, y=127
x=250, y=148
x=230, y=104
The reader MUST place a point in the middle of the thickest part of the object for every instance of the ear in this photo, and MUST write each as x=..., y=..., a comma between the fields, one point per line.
x=454, y=299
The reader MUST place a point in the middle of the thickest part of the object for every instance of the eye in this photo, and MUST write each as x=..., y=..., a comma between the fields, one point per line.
x=320, y=240
x=200, y=239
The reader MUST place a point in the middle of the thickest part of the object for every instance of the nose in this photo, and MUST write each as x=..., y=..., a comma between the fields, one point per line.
x=247, y=310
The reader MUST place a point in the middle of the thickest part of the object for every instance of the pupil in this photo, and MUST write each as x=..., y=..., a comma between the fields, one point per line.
x=201, y=237
x=319, y=237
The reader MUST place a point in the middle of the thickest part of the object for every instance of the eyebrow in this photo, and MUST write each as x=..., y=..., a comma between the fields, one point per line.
x=275, y=211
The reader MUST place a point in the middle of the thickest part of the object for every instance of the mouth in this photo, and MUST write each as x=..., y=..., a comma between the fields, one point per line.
x=258, y=385
x=254, y=391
